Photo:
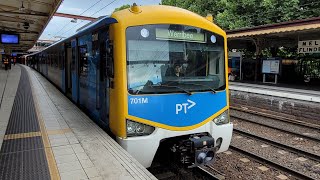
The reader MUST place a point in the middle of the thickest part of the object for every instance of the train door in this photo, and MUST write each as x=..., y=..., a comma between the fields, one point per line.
x=68, y=62
x=106, y=71
x=89, y=99
x=103, y=79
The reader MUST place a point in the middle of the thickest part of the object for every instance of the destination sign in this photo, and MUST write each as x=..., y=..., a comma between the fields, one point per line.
x=168, y=34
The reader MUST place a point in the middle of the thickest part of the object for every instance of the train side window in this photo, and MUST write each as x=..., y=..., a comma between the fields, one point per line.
x=73, y=56
x=83, y=60
x=49, y=60
x=61, y=57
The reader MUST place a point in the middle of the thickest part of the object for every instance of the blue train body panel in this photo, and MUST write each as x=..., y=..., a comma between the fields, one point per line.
x=178, y=110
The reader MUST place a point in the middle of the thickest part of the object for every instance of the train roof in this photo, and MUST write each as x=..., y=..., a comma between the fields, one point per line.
x=163, y=14
x=95, y=25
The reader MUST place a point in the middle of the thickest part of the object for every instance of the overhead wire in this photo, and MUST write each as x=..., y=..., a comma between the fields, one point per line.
x=90, y=15
x=79, y=15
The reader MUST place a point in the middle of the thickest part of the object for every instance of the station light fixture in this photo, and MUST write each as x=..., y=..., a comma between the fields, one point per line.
x=74, y=20
x=22, y=8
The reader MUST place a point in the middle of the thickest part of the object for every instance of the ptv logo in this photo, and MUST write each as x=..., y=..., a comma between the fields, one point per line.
x=184, y=106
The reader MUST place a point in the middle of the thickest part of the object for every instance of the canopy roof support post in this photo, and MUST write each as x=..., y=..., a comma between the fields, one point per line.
x=258, y=42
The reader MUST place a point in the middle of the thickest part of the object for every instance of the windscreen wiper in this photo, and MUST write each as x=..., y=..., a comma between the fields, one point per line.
x=184, y=90
x=161, y=85
x=213, y=91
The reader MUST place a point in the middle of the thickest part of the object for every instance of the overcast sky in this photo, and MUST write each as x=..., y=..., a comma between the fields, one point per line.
x=63, y=27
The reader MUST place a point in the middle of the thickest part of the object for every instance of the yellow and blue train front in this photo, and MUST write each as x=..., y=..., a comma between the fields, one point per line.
x=174, y=82
x=152, y=118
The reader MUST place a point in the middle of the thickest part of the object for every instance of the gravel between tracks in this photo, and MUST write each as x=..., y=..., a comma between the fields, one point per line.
x=277, y=135
x=272, y=122
x=285, y=158
x=233, y=168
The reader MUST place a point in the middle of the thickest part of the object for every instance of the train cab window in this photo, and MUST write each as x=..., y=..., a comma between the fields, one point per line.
x=83, y=54
x=193, y=57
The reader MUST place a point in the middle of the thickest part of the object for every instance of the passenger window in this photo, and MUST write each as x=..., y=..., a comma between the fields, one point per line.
x=83, y=61
x=73, y=56
x=61, y=58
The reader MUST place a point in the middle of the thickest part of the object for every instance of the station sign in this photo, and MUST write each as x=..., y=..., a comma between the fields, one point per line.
x=167, y=34
x=310, y=46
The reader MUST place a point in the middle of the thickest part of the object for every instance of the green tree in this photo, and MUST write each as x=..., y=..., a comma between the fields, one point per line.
x=234, y=14
x=122, y=7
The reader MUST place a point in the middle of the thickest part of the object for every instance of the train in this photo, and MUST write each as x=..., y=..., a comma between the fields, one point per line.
x=154, y=76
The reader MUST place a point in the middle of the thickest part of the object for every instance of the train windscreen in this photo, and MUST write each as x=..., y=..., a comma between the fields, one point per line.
x=174, y=58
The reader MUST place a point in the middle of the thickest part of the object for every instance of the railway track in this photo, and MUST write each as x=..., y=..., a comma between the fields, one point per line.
x=279, y=145
x=178, y=172
x=278, y=128
x=212, y=172
x=276, y=144
x=279, y=118
x=273, y=164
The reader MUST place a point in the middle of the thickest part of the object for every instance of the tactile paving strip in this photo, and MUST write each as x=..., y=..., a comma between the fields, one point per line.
x=23, y=116
x=24, y=165
x=23, y=158
x=23, y=144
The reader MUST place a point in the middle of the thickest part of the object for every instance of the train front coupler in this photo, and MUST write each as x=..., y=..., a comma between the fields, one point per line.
x=198, y=150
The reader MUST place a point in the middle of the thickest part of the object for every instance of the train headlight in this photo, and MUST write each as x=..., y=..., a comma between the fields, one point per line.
x=138, y=129
x=222, y=118
x=131, y=127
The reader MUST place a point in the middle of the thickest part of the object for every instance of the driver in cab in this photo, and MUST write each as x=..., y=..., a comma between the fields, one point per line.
x=175, y=71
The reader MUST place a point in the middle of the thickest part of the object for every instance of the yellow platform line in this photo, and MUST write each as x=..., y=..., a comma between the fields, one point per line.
x=52, y=165
x=22, y=135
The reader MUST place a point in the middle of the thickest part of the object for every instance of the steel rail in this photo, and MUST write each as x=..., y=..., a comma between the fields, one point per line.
x=213, y=173
x=279, y=145
x=278, y=166
x=277, y=128
x=279, y=118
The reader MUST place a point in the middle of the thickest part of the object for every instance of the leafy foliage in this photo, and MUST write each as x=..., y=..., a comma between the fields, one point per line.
x=234, y=14
x=122, y=7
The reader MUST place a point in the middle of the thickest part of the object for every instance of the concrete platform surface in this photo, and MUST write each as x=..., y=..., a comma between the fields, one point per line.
x=9, y=81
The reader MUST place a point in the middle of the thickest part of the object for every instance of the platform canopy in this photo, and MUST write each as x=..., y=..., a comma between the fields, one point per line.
x=25, y=18
x=275, y=35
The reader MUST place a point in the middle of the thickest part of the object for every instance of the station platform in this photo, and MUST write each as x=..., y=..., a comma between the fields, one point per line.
x=292, y=103
x=43, y=135
x=285, y=92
